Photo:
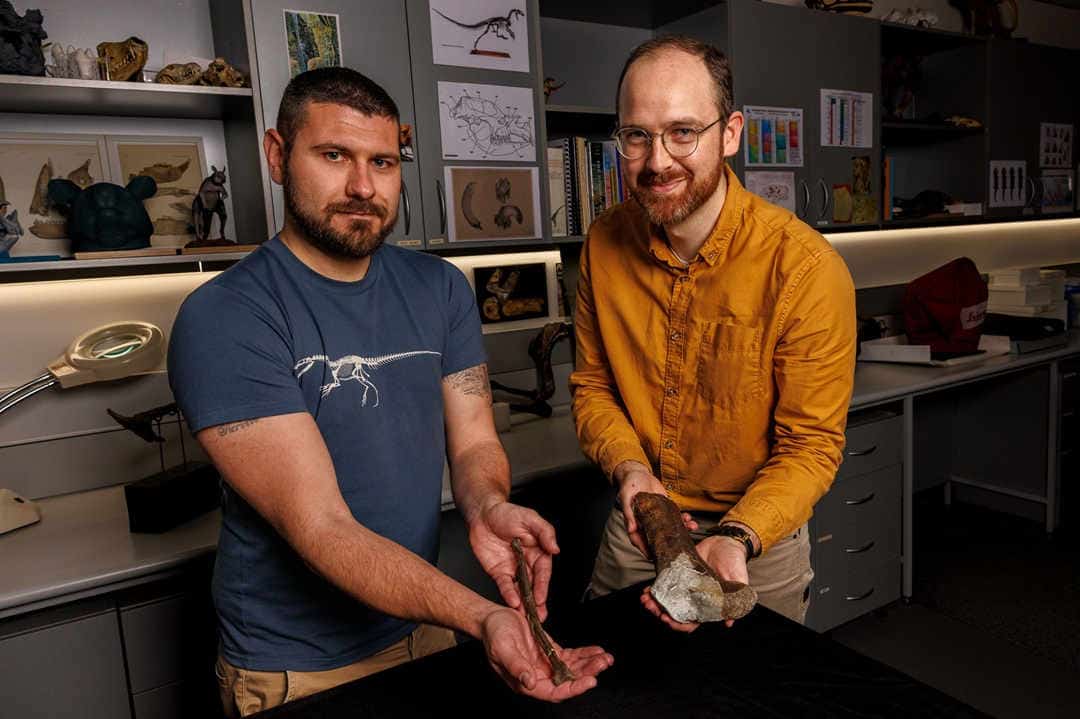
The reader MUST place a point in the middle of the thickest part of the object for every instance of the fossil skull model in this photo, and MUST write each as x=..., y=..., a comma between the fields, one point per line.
x=123, y=60
x=179, y=74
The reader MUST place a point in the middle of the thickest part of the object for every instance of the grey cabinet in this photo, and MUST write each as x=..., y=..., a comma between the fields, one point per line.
x=436, y=197
x=855, y=532
x=375, y=42
x=1028, y=84
x=780, y=59
x=64, y=663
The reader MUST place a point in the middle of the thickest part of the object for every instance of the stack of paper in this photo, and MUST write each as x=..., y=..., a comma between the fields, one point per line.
x=1028, y=292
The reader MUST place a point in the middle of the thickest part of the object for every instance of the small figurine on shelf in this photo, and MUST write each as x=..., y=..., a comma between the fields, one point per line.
x=210, y=201
x=20, y=41
x=10, y=229
x=80, y=64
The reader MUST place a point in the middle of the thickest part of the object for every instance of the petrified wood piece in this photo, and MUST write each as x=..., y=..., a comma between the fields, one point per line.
x=559, y=671
x=686, y=587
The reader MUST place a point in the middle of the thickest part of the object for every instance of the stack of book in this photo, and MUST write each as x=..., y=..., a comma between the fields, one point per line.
x=584, y=179
x=1028, y=292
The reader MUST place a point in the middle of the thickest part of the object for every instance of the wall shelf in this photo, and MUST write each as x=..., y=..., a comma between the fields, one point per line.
x=50, y=95
x=66, y=265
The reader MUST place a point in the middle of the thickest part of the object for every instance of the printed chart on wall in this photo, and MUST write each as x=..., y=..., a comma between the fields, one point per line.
x=491, y=34
x=1008, y=183
x=847, y=119
x=773, y=136
x=775, y=187
x=1055, y=145
x=314, y=40
x=493, y=203
x=486, y=122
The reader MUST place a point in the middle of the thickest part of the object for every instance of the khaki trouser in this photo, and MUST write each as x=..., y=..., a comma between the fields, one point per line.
x=781, y=577
x=245, y=692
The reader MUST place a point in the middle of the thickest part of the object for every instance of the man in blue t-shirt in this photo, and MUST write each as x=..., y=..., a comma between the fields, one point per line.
x=329, y=376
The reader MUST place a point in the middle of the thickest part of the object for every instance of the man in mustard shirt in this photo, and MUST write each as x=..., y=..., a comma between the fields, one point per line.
x=716, y=341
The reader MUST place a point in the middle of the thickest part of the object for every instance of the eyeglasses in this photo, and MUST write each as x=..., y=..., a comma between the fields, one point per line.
x=634, y=143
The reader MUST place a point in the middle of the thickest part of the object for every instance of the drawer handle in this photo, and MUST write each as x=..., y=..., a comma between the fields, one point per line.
x=854, y=502
x=862, y=452
x=865, y=548
x=859, y=597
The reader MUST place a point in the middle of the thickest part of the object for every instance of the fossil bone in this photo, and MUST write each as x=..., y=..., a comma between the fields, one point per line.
x=123, y=60
x=179, y=74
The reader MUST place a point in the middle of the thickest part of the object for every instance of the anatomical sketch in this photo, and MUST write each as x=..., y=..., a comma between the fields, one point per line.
x=493, y=203
x=486, y=122
x=355, y=368
x=492, y=34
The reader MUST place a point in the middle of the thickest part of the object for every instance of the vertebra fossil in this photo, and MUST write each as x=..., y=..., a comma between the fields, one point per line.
x=123, y=60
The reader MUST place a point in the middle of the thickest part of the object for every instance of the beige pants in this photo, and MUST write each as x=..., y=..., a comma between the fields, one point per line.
x=245, y=692
x=781, y=577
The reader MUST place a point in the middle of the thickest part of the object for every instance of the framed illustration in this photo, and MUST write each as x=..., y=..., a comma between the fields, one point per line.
x=493, y=203
x=313, y=39
x=514, y=290
x=1057, y=191
x=178, y=166
x=31, y=225
x=489, y=34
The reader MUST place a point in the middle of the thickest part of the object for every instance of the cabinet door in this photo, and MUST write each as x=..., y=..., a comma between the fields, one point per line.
x=374, y=41
x=1029, y=85
x=437, y=198
x=782, y=57
x=72, y=669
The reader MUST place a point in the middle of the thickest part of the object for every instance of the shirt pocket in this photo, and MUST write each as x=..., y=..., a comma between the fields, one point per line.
x=729, y=373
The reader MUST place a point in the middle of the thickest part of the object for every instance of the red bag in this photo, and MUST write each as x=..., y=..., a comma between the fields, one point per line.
x=945, y=308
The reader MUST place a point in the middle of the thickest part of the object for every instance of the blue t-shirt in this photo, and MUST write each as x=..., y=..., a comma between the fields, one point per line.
x=366, y=359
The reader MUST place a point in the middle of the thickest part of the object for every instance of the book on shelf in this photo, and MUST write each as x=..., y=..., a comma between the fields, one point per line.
x=1033, y=294
x=556, y=192
x=592, y=180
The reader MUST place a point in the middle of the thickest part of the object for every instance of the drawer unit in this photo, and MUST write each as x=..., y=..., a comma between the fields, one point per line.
x=846, y=597
x=874, y=440
x=857, y=524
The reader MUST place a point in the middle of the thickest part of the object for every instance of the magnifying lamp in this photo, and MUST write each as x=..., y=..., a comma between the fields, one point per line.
x=109, y=352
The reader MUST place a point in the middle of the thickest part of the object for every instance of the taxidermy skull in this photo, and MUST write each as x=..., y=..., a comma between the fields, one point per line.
x=123, y=60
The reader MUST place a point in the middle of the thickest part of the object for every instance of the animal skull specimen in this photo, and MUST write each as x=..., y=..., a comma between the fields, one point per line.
x=179, y=74
x=123, y=60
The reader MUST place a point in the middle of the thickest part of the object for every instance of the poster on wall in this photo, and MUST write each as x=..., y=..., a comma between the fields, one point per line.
x=773, y=136
x=847, y=119
x=775, y=187
x=1057, y=191
x=486, y=122
x=314, y=40
x=1008, y=183
x=490, y=34
x=30, y=225
x=178, y=166
x=1055, y=145
x=493, y=203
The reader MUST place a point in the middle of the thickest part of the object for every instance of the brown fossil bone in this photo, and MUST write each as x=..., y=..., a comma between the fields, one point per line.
x=187, y=73
x=685, y=586
x=123, y=60
x=560, y=673
x=221, y=74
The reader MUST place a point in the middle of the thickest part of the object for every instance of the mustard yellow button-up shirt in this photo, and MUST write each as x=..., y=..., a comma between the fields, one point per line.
x=731, y=378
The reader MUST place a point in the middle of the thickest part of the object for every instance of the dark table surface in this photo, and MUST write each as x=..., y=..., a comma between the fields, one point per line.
x=764, y=666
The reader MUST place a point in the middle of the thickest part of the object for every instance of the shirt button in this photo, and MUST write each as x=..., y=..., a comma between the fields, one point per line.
x=712, y=255
x=669, y=444
x=684, y=278
x=675, y=335
x=671, y=391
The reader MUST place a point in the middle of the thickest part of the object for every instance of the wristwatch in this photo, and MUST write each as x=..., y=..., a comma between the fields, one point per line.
x=735, y=532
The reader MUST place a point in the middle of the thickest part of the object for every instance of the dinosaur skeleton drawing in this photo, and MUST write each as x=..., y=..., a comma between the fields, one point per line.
x=356, y=368
x=498, y=26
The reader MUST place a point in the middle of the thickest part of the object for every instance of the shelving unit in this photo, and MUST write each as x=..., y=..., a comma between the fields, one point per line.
x=17, y=267
x=49, y=95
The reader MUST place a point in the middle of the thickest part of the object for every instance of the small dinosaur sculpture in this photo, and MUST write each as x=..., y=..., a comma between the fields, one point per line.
x=497, y=25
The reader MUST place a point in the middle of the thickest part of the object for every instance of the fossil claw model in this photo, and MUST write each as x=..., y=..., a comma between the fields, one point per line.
x=123, y=60
x=466, y=206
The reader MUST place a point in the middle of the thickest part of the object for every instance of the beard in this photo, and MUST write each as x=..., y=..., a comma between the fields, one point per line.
x=360, y=240
x=671, y=209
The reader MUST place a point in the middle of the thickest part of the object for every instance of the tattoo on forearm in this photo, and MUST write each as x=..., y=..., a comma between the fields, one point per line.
x=226, y=429
x=472, y=381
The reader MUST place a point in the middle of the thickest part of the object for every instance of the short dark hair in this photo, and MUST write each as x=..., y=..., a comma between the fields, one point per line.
x=338, y=85
x=715, y=61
